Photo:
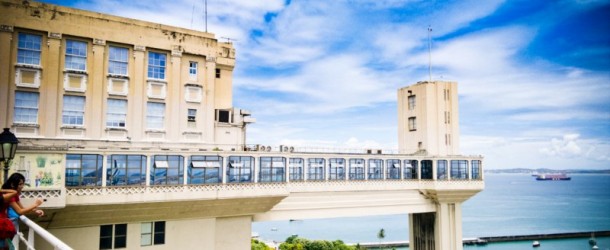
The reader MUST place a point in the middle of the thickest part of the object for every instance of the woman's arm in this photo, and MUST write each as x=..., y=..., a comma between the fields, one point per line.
x=8, y=194
x=21, y=210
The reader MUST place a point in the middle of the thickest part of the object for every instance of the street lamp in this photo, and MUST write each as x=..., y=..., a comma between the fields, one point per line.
x=9, y=142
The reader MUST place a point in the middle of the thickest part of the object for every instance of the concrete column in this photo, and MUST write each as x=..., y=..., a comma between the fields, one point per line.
x=287, y=169
x=256, y=170
x=175, y=97
x=51, y=87
x=448, y=226
x=223, y=168
x=97, y=90
x=208, y=100
x=148, y=169
x=104, y=169
x=6, y=38
x=137, y=91
x=233, y=233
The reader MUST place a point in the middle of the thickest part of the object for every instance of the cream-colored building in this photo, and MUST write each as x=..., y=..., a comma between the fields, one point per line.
x=79, y=75
x=428, y=119
x=127, y=129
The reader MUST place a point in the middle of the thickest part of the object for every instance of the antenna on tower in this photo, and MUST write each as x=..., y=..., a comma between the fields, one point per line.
x=206, y=14
x=429, y=54
x=192, y=14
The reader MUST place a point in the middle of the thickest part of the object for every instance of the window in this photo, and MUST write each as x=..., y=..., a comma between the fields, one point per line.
x=193, y=70
x=167, y=170
x=118, y=60
x=116, y=115
x=204, y=169
x=76, y=55
x=155, y=115
x=412, y=124
x=476, y=169
x=83, y=170
x=126, y=170
x=156, y=65
x=152, y=233
x=337, y=169
x=459, y=169
x=192, y=115
x=28, y=49
x=375, y=169
x=411, y=100
x=356, y=169
x=113, y=236
x=272, y=169
x=315, y=171
x=296, y=169
x=223, y=116
x=441, y=170
x=240, y=169
x=447, y=139
x=217, y=73
x=393, y=171
x=410, y=170
x=74, y=110
x=26, y=107
x=426, y=169
x=447, y=117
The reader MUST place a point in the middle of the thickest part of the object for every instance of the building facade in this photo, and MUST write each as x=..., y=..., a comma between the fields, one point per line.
x=428, y=119
x=76, y=75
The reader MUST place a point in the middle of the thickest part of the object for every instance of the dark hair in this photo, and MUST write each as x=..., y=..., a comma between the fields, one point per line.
x=13, y=181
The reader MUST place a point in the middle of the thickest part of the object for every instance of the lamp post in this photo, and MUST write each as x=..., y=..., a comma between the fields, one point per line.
x=8, y=143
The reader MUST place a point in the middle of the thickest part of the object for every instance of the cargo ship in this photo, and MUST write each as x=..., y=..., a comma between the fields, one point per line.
x=553, y=177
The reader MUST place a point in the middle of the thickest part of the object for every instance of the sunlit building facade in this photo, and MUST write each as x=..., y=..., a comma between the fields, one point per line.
x=428, y=119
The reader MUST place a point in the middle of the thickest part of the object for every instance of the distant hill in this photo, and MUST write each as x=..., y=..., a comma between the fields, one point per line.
x=546, y=171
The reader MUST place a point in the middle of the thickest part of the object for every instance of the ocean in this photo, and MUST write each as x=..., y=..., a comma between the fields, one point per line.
x=510, y=204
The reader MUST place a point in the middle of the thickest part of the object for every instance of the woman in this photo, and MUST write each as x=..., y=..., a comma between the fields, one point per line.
x=16, y=182
x=6, y=226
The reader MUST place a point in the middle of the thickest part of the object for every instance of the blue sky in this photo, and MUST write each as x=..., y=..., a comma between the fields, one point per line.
x=534, y=76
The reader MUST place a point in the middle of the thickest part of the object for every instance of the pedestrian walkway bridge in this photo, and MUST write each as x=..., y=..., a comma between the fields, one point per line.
x=263, y=186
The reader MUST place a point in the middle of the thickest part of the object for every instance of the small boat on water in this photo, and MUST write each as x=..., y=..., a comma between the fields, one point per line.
x=535, y=244
x=592, y=240
x=553, y=177
x=595, y=247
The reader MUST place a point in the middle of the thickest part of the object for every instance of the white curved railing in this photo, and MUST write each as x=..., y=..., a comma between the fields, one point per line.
x=44, y=234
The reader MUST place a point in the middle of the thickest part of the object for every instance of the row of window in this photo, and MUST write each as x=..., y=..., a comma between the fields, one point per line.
x=73, y=112
x=87, y=170
x=115, y=236
x=29, y=52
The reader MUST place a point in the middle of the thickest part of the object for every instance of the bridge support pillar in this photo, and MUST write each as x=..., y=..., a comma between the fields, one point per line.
x=436, y=231
x=233, y=232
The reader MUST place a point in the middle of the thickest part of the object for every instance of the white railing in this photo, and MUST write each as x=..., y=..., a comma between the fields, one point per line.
x=44, y=234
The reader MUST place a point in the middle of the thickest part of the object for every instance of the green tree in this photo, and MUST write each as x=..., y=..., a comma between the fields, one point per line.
x=259, y=245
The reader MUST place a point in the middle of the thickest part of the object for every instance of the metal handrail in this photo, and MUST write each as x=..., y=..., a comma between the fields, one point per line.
x=44, y=234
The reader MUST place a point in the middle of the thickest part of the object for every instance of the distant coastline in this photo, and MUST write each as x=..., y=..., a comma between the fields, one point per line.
x=546, y=171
